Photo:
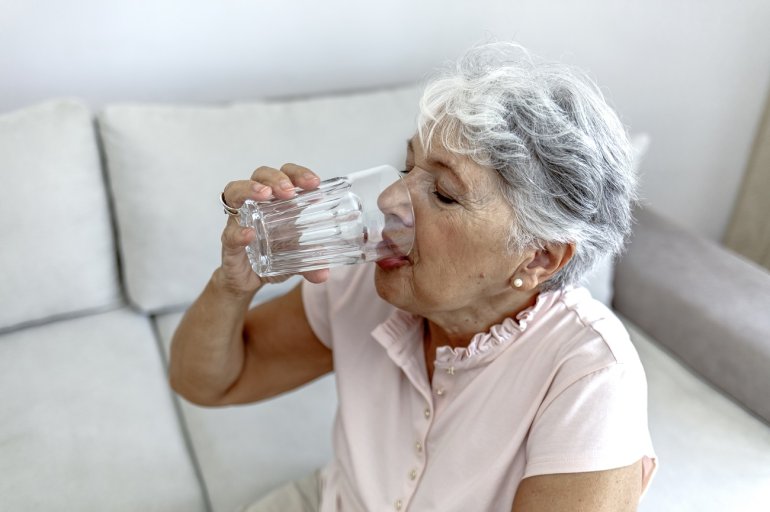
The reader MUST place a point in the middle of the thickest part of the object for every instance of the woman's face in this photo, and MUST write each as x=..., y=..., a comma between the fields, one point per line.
x=460, y=257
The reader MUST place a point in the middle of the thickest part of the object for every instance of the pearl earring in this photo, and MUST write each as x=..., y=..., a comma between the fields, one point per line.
x=518, y=282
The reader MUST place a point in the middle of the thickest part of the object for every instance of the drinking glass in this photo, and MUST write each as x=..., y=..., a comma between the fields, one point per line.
x=362, y=217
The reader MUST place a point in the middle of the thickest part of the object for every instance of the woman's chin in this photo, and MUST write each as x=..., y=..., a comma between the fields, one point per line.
x=389, y=280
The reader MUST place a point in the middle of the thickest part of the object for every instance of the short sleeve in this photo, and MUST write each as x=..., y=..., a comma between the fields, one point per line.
x=599, y=422
x=315, y=300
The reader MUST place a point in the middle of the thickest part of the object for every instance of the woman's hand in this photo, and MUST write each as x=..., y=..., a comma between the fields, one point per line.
x=235, y=273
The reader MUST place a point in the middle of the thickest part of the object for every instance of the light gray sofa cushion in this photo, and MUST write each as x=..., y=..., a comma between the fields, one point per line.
x=167, y=166
x=245, y=451
x=713, y=455
x=704, y=303
x=87, y=420
x=56, y=247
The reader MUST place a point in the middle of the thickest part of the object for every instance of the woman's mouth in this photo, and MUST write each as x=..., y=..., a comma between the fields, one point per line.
x=392, y=262
x=392, y=257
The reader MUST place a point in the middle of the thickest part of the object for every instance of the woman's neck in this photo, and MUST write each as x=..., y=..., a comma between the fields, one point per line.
x=457, y=328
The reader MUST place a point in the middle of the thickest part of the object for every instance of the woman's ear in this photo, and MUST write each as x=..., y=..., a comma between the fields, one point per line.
x=542, y=265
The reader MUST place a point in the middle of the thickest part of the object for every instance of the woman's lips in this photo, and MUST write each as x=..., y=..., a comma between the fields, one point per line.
x=394, y=259
x=392, y=262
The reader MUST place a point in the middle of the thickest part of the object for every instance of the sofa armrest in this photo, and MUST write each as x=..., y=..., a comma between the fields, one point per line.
x=706, y=304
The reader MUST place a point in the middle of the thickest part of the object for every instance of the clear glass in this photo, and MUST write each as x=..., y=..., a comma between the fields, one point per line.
x=362, y=217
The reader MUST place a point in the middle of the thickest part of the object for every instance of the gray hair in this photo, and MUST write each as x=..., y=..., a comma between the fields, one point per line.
x=563, y=156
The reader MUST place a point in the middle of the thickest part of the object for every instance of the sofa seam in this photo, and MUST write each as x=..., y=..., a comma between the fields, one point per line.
x=181, y=422
x=112, y=207
x=114, y=305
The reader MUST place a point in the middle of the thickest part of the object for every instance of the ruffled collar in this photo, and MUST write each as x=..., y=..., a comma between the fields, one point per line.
x=398, y=332
x=498, y=338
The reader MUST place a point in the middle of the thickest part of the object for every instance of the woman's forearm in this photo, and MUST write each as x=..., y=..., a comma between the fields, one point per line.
x=207, y=350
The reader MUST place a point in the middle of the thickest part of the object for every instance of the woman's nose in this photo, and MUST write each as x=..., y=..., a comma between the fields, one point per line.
x=395, y=201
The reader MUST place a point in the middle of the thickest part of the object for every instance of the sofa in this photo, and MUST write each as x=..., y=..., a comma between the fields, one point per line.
x=109, y=228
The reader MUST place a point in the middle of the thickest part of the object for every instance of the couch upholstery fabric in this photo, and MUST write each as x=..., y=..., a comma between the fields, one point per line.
x=689, y=294
x=56, y=246
x=87, y=421
x=713, y=455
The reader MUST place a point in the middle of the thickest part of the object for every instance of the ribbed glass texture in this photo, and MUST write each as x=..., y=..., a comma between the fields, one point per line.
x=362, y=217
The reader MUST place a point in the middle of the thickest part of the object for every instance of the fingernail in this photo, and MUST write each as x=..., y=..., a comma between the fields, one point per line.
x=309, y=176
x=285, y=184
x=258, y=187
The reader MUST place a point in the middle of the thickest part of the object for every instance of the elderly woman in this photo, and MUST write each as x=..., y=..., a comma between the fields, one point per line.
x=474, y=374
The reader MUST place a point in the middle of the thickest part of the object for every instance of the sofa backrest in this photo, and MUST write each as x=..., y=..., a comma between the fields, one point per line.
x=57, y=254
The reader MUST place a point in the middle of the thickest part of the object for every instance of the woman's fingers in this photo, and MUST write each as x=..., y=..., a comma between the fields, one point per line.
x=316, y=276
x=237, y=272
x=285, y=181
x=236, y=192
x=301, y=176
x=235, y=237
x=267, y=182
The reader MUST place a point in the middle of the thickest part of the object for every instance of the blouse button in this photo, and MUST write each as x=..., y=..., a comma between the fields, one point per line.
x=427, y=414
x=440, y=391
x=413, y=474
x=418, y=446
x=451, y=370
x=398, y=504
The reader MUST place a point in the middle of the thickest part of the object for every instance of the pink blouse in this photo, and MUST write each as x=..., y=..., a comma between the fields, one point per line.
x=558, y=389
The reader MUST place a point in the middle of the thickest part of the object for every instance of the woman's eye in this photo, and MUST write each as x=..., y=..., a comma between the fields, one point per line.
x=442, y=198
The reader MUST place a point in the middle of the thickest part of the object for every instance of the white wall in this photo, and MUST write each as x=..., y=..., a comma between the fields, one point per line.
x=692, y=73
